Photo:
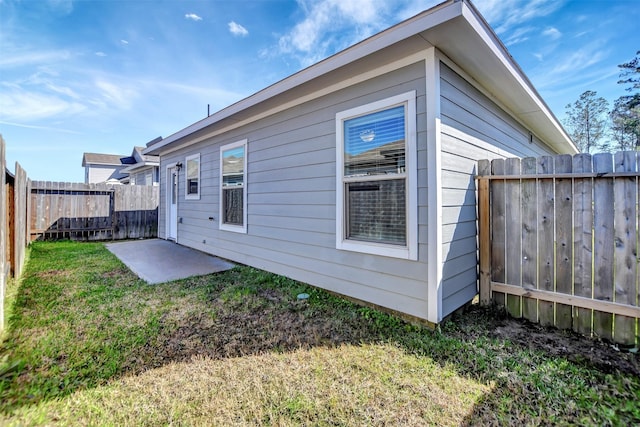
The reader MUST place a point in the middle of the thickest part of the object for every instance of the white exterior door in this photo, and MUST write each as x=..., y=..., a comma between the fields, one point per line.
x=172, y=203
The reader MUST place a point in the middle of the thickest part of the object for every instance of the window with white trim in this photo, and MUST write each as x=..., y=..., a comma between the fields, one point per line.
x=376, y=206
x=233, y=188
x=192, y=177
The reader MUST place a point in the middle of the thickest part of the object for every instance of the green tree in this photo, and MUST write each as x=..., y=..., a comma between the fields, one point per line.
x=587, y=122
x=625, y=115
x=630, y=73
x=625, y=123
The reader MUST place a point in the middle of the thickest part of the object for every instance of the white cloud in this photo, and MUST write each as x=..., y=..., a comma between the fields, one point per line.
x=237, y=29
x=116, y=95
x=19, y=105
x=124, y=41
x=579, y=60
x=331, y=25
x=48, y=147
x=33, y=58
x=64, y=7
x=552, y=33
x=193, y=17
x=503, y=15
x=102, y=54
x=538, y=56
x=518, y=36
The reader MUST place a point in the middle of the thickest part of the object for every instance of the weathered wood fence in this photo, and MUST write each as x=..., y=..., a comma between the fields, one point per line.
x=3, y=231
x=92, y=211
x=559, y=241
x=14, y=189
x=53, y=210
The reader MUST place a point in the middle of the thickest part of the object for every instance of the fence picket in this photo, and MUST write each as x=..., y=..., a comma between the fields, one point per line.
x=625, y=266
x=603, y=250
x=529, y=238
x=564, y=240
x=582, y=242
x=513, y=214
x=546, y=239
x=498, y=229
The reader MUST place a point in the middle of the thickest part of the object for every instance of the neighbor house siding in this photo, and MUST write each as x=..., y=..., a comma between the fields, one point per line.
x=473, y=128
x=101, y=173
x=291, y=202
x=144, y=177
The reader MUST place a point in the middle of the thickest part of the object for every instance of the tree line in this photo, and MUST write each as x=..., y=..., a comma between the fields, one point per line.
x=594, y=127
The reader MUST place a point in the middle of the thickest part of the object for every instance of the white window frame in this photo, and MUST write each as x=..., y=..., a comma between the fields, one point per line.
x=234, y=227
x=410, y=250
x=192, y=196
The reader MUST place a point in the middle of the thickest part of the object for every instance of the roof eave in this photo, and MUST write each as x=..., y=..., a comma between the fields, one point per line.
x=139, y=166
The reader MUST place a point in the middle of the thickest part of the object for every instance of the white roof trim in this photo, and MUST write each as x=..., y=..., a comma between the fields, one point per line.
x=139, y=165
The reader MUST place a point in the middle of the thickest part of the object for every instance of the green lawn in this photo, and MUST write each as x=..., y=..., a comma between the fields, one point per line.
x=87, y=343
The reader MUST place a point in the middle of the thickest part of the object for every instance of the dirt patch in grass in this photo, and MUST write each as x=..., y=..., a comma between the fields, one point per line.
x=576, y=348
x=48, y=274
x=249, y=323
x=599, y=354
x=114, y=273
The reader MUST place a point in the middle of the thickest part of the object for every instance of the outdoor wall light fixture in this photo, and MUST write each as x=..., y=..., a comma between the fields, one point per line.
x=179, y=166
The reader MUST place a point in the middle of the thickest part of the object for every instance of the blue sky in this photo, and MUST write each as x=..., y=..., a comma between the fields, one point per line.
x=103, y=76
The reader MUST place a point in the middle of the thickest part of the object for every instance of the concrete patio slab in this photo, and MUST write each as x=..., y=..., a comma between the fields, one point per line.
x=159, y=261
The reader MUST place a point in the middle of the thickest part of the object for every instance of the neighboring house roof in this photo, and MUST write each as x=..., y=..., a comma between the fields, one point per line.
x=138, y=160
x=455, y=27
x=101, y=159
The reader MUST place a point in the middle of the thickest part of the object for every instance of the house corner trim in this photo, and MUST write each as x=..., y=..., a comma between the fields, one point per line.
x=434, y=187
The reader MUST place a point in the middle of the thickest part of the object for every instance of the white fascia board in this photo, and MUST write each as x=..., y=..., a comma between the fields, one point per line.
x=412, y=26
x=139, y=166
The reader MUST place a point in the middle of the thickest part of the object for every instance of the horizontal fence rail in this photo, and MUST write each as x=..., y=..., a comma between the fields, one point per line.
x=559, y=241
x=93, y=211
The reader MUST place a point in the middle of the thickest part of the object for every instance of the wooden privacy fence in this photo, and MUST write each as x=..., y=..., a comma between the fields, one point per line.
x=93, y=211
x=559, y=241
x=14, y=189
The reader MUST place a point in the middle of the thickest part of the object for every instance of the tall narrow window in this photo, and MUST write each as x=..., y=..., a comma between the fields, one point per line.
x=192, y=177
x=233, y=194
x=376, y=207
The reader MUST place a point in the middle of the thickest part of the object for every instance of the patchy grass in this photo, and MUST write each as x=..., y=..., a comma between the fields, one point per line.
x=91, y=344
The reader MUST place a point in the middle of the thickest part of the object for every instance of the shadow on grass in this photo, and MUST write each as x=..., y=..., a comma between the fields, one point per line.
x=81, y=320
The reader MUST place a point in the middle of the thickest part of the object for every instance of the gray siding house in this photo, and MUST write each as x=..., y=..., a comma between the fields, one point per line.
x=357, y=174
x=100, y=168
x=143, y=169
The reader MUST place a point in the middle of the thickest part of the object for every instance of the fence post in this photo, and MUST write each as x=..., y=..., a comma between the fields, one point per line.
x=484, y=232
x=112, y=212
x=484, y=237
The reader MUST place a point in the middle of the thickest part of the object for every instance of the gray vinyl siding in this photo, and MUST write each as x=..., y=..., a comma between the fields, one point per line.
x=468, y=116
x=291, y=201
x=102, y=173
x=144, y=177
